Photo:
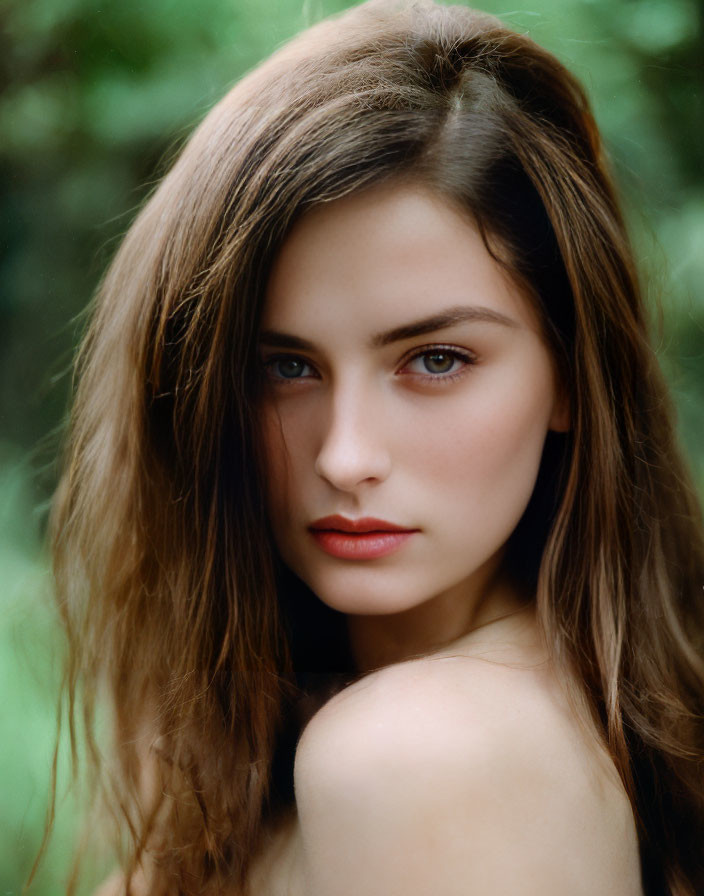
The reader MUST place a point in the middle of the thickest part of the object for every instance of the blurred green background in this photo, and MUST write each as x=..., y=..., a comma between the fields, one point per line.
x=95, y=97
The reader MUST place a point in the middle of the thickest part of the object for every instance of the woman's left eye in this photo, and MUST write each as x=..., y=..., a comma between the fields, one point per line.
x=438, y=363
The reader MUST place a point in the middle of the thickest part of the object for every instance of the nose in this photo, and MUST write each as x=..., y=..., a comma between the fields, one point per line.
x=354, y=449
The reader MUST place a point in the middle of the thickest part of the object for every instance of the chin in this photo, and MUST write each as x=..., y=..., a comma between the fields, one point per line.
x=369, y=605
x=370, y=598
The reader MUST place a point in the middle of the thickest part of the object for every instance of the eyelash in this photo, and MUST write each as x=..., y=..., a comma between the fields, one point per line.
x=466, y=357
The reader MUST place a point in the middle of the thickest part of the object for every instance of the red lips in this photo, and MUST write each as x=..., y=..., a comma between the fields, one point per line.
x=365, y=524
x=363, y=539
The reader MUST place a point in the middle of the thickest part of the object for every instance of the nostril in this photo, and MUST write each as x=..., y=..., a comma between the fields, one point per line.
x=354, y=445
x=347, y=464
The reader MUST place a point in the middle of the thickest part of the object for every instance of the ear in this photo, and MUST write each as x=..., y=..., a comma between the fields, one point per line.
x=560, y=418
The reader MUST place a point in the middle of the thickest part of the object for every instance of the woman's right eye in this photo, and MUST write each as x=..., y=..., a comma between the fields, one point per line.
x=287, y=367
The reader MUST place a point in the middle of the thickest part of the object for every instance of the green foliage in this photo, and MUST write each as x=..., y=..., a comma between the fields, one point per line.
x=30, y=673
x=94, y=97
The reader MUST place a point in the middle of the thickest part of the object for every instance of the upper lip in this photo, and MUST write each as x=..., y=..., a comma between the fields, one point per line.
x=364, y=524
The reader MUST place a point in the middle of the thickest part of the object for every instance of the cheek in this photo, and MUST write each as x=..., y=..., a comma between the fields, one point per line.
x=288, y=466
x=482, y=452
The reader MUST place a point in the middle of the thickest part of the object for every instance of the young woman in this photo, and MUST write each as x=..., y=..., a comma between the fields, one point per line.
x=368, y=440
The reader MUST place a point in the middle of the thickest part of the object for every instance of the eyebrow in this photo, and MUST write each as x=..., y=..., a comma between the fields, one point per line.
x=448, y=318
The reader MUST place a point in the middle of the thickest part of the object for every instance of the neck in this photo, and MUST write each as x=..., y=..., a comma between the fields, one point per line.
x=448, y=621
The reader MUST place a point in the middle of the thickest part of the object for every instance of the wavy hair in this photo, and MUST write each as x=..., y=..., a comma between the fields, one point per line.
x=175, y=605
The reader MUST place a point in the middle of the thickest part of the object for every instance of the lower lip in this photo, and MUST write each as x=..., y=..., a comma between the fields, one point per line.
x=362, y=546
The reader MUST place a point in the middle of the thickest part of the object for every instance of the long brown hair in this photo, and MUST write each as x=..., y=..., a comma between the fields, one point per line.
x=174, y=602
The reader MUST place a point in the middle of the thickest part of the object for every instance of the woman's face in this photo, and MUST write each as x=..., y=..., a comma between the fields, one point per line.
x=407, y=381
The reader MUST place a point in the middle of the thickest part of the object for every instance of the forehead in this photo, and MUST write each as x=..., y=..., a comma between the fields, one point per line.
x=383, y=255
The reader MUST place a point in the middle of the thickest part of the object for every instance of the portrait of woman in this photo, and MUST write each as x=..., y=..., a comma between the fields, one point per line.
x=373, y=533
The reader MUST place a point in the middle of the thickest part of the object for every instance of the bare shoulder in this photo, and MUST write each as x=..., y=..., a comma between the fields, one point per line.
x=459, y=710
x=468, y=766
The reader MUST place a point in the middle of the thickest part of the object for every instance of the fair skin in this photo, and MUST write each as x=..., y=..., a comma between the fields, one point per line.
x=439, y=431
x=408, y=380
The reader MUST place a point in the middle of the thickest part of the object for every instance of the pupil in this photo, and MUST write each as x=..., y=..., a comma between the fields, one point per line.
x=439, y=362
x=290, y=368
